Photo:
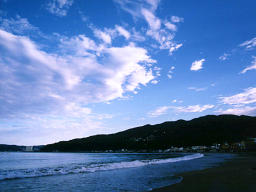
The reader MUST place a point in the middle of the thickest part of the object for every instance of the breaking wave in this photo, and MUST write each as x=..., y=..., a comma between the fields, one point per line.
x=81, y=168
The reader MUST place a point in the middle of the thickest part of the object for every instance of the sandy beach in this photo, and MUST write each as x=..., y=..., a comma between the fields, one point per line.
x=236, y=175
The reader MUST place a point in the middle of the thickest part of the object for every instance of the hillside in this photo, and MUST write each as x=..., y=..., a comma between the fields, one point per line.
x=199, y=131
x=4, y=147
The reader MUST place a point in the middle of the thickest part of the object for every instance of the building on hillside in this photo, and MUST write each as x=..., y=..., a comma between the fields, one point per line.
x=29, y=148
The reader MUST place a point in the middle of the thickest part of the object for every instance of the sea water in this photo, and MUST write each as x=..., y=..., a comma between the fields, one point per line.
x=98, y=171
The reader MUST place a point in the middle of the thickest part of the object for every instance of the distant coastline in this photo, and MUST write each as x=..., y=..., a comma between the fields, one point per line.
x=211, y=133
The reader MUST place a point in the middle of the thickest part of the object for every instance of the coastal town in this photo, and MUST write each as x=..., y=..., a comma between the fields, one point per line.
x=243, y=146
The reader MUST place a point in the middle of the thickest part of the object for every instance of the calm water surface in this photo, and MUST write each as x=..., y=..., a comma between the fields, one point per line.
x=97, y=171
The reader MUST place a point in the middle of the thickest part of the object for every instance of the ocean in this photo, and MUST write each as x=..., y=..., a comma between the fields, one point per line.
x=98, y=171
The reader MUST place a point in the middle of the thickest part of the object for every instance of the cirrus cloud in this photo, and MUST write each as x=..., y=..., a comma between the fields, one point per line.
x=248, y=96
x=180, y=109
x=59, y=7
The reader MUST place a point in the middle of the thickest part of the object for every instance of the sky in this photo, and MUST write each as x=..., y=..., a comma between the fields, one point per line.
x=76, y=68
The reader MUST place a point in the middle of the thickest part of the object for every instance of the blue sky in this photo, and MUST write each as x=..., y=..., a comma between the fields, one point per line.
x=75, y=68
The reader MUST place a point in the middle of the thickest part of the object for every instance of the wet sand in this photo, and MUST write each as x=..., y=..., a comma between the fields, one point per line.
x=236, y=175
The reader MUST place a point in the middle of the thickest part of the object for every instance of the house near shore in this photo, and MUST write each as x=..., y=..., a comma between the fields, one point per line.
x=29, y=148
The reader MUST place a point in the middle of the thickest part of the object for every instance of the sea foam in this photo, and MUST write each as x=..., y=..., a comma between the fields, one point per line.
x=80, y=168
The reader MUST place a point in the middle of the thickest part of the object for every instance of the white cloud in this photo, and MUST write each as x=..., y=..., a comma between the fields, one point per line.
x=153, y=21
x=249, y=44
x=197, y=65
x=174, y=47
x=176, y=101
x=245, y=110
x=197, y=89
x=159, y=111
x=102, y=35
x=224, y=57
x=131, y=7
x=251, y=67
x=78, y=45
x=134, y=7
x=61, y=84
x=162, y=34
x=240, y=104
x=75, y=110
x=246, y=97
x=123, y=32
x=154, y=82
x=59, y=7
x=129, y=71
x=169, y=75
x=153, y=4
x=18, y=25
x=194, y=108
x=176, y=19
x=77, y=75
x=137, y=36
x=170, y=26
x=180, y=109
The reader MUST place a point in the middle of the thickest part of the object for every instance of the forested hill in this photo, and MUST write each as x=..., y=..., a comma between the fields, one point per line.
x=4, y=147
x=204, y=130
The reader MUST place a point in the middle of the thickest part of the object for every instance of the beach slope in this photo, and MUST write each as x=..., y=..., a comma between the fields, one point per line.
x=236, y=175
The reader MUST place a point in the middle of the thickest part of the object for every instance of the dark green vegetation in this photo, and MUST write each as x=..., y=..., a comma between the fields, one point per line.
x=205, y=130
x=11, y=147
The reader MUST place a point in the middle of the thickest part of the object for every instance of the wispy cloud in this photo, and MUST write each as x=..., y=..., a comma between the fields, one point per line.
x=176, y=19
x=180, y=109
x=174, y=47
x=77, y=75
x=62, y=83
x=18, y=25
x=163, y=32
x=224, y=57
x=197, y=89
x=105, y=37
x=164, y=36
x=134, y=7
x=248, y=96
x=251, y=67
x=159, y=111
x=244, y=110
x=239, y=104
x=59, y=7
x=123, y=32
x=194, y=108
x=197, y=65
x=176, y=101
x=170, y=72
x=249, y=44
x=170, y=26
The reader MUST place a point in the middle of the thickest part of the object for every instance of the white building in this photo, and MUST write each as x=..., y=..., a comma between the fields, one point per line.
x=29, y=148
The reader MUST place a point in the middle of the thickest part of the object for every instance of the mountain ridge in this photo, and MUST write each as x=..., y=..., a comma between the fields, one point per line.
x=204, y=130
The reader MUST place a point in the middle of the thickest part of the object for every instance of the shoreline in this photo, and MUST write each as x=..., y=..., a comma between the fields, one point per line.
x=237, y=174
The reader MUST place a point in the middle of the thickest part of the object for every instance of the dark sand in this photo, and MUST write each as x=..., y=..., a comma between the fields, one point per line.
x=236, y=175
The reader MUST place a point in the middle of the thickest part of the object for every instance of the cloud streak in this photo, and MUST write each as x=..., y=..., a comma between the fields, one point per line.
x=251, y=67
x=180, y=109
x=249, y=44
x=248, y=96
x=197, y=89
